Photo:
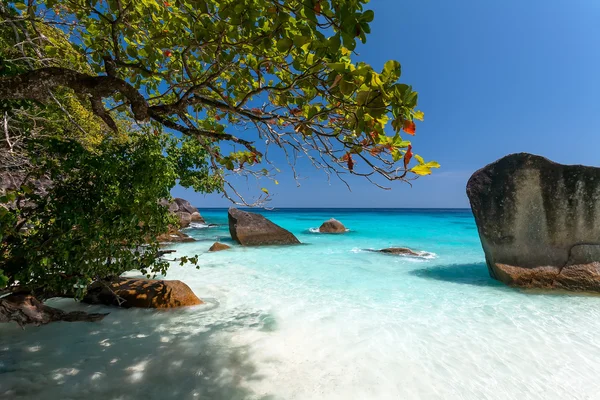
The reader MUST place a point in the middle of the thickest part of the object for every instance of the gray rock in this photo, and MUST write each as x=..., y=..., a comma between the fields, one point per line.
x=184, y=210
x=332, y=226
x=539, y=222
x=400, y=251
x=185, y=219
x=250, y=229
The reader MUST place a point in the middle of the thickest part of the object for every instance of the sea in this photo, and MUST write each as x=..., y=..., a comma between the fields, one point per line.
x=327, y=319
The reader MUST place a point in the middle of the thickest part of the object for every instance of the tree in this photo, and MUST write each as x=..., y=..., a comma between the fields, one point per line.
x=79, y=202
x=278, y=71
x=113, y=101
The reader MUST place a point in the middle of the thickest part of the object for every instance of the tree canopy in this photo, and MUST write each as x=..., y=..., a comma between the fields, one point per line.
x=252, y=73
x=79, y=202
x=106, y=104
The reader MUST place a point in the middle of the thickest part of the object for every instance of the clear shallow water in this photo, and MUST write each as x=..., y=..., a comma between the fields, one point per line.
x=324, y=320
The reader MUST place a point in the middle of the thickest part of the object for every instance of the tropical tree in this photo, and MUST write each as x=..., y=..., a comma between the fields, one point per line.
x=78, y=201
x=239, y=76
x=114, y=101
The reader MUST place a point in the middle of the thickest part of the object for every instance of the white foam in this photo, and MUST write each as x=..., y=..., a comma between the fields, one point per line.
x=318, y=322
x=198, y=225
x=316, y=230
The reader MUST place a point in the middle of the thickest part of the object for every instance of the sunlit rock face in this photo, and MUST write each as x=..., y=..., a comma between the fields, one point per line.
x=539, y=222
x=332, y=226
x=142, y=293
x=251, y=229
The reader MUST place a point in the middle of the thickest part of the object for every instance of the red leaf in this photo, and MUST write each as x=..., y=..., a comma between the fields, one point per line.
x=408, y=156
x=166, y=3
x=350, y=162
x=409, y=127
x=318, y=8
x=167, y=53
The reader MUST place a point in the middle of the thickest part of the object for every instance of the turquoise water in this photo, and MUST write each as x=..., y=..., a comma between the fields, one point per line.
x=324, y=320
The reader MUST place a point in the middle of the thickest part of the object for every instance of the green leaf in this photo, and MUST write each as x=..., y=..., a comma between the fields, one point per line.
x=391, y=70
x=284, y=44
x=368, y=16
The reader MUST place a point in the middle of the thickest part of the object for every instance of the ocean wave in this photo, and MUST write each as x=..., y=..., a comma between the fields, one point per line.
x=201, y=225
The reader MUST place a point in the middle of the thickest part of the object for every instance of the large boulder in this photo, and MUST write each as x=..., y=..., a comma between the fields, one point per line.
x=141, y=293
x=332, y=226
x=250, y=229
x=539, y=222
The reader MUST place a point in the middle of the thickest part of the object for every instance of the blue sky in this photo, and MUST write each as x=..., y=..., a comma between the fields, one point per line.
x=494, y=77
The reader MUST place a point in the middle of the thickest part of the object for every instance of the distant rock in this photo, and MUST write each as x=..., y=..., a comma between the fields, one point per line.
x=250, y=229
x=218, y=247
x=141, y=293
x=539, y=222
x=332, y=226
x=184, y=211
x=174, y=236
x=185, y=219
x=400, y=251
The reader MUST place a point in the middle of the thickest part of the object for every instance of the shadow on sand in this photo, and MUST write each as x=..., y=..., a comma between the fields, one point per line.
x=141, y=355
x=468, y=274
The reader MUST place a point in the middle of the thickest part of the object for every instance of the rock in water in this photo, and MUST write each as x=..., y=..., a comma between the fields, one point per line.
x=539, y=222
x=174, y=236
x=250, y=229
x=218, y=247
x=332, y=226
x=141, y=293
x=400, y=251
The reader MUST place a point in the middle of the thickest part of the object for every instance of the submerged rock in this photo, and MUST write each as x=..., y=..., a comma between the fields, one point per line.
x=400, y=251
x=250, y=229
x=332, y=226
x=539, y=222
x=141, y=293
x=219, y=246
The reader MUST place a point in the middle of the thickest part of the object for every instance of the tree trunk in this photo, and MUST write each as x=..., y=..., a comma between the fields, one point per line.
x=25, y=309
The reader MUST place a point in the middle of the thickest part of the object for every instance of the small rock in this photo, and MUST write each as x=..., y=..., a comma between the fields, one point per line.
x=400, y=251
x=332, y=226
x=174, y=236
x=218, y=247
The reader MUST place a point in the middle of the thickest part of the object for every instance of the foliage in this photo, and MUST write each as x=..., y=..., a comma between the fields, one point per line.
x=281, y=69
x=113, y=101
x=99, y=216
x=79, y=202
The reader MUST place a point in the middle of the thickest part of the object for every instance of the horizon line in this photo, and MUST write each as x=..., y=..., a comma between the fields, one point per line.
x=344, y=208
